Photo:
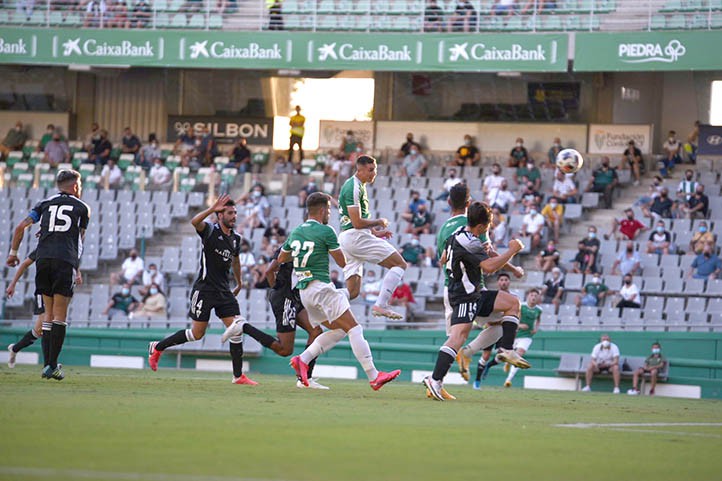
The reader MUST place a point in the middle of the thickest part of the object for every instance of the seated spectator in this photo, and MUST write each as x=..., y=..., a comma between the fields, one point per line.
x=153, y=306
x=118, y=14
x=410, y=143
x=269, y=246
x=501, y=198
x=360, y=150
x=697, y=206
x=653, y=365
x=493, y=180
x=340, y=167
x=627, y=262
x=370, y=288
x=14, y=140
x=450, y=182
x=593, y=293
x=553, y=288
x=553, y=152
x=467, y=154
x=307, y=190
x=207, y=151
x=258, y=272
x=152, y=277
x=283, y=166
x=518, y=155
x=585, y=261
x=428, y=259
x=56, y=151
x=604, y=180
x=247, y=261
x=672, y=153
x=348, y=144
x=122, y=303
x=564, y=188
x=701, y=238
x=403, y=296
x=529, y=173
x=160, y=175
x=632, y=158
x=275, y=229
x=629, y=227
x=257, y=208
x=141, y=14
x=92, y=138
x=131, y=270
x=101, y=150
x=184, y=145
x=548, y=258
x=553, y=214
x=662, y=206
x=241, y=156
x=706, y=265
x=529, y=197
x=629, y=294
x=95, y=13
x=687, y=186
x=660, y=240
x=655, y=189
x=591, y=241
x=149, y=152
x=338, y=284
x=47, y=137
x=412, y=251
x=275, y=16
x=499, y=232
x=113, y=173
x=464, y=18
x=605, y=359
x=414, y=164
x=416, y=201
x=420, y=221
x=504, y=7
x=533, y=226
x=433, y=17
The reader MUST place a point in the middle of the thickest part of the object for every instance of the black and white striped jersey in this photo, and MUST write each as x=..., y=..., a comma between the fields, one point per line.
x=217, y=256
x=464, y=252
x=63, y=219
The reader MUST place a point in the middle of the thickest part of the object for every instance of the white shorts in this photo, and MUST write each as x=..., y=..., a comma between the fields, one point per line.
x=522, y=343
x=323, y=302
x=359, y=246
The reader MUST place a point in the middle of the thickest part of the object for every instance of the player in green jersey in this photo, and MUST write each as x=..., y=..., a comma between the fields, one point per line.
x=309, y=245
x=528, y=326
x=364, y=239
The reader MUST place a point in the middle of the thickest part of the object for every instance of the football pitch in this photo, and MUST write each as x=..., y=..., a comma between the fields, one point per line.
x=186, y=425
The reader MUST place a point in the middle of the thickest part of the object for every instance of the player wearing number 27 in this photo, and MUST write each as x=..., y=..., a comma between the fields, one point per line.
x=309, y=245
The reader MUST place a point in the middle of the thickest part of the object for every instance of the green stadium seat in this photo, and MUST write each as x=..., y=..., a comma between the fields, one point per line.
x=572, y=22
x=514, y=23
x=716, y=21
x=215, y=21
x=179, y=21
x=715, y=4
x=36, y=158
x=47, y=181
x=175, y=5
x=25, y=180
x=73, y=19
x=290, y=6
x=37, y=18
x=380, y=7
x=380, y=23
x=125, y=161
x=260, y=158
x=20, y=168
x=172, y=162
x=697, y=22
x=346, y=22
x=361, y=23
x=676, y=22
x=14, y=157
x=228, y=176
x=693, y=5
x=326, y=6
x=221, y=162
x=566, y=6
x=326, y=22
x=132, y=172
x=115, y=153
x=292, y=22
x=363, y=6
x=551, y=22
x=485, y=6
x=344, y=6
x=491, y=23
x=55, y=18
x=4, y=17
x=29, y=147
x=162, y=20
x=585, y=5
x=671, y=6
x=91, y=182
x=197, y=20
x=86, y=170
x=400, y=24
x=160, y=5
x=187, y=185
x=659, y=22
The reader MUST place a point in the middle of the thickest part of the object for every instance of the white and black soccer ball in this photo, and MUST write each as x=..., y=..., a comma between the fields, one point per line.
x=569, y=161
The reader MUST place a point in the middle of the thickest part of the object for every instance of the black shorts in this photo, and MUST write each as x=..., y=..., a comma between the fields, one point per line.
x=38, y=304
x=285, y=309
x=466, y=312
x=54, y=276
x=203, y=302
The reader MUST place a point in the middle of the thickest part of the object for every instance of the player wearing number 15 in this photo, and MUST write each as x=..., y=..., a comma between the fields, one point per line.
x=309, y=245
x=63, y=219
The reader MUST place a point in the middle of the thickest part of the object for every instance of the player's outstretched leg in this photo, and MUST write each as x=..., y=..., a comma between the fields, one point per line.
x=241, y=326
x=236, y=348
x=27, y=340
x=156, y=348
x=487, y=337
x=397, y=266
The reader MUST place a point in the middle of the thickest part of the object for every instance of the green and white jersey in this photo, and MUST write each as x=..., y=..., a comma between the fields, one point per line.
x=309, y=245
x=450, y=226
x=352, y=194
x=529, y=316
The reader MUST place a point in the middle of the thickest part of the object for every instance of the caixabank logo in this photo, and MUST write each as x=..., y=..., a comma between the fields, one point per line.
x=18, y=45
x=332, y=52
x=107, y=49
x=221, y=49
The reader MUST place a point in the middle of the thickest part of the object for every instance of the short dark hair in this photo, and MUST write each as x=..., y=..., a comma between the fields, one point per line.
x=479, y=213
x=503, y=274
x=365, y=160
x=230, y=203
x=533, y=289
x=67, y=177
x=316, y=200
x=458, y=195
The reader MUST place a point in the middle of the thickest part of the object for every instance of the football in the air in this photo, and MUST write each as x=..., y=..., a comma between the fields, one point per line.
x=569, y=161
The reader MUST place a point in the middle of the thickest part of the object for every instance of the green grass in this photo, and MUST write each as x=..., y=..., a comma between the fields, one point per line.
x=108, y=424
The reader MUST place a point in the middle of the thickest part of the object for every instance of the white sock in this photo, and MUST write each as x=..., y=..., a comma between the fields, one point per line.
x=321, y=344
x=512, y=373
x=388, y=286
x=362, y=351
x=486, y=338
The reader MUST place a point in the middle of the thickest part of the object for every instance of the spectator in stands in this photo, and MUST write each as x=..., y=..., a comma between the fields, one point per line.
x=348, y=144
x=269, y=245
x=131, y=270
x=533, y=226
x=257, y=207
x=403, y=296
x=629, y=294
x=518, y=156
x=429, y=258
x=371, y=288
x=467, y=154
x=632, y=158
x=149, y=152
x=433, y=17
x=275, y=229
x=275, y=16
x=552, y=153
x=653, y=365
x=414, y=164
x=153, y=306
x=499, y=232
x=130, y=143
x=593, y=293
x=687, y=186
x=672, y=153
x=112, y=174
x=92, y=138
x=151, y=277
x=56, y=151
x=529, y=173
x=25, y=8
x=464, y=18
x=121, y=303
x=605, y=359
x=14, y=140
x=529, y=197
x=693, y=142
x=504, y=7
x=660, y=240
x=192, y=6
x=283, y=166
x=307, y=190
x=553, y=214
x=492, y=180
x=420, y=221
x=585, y=260
x=101, y=149
x=707, y=265
x=95, y=14
x=258, y=273
x=406, y=147
x=604, y=180
x=697, y=205
x=412, y=251
x=297, y=123
x=160, y=175
x=118, y=14
x=47, y=137
x=662, y=206
x=629, y=227
x=247, y=261
x=338, y=283
x=548, y=258
x=627, y=262
x=141, y=14
x=553, y=288
x=501, y=198
x=591, y=241
x=208, y=148
x=645, y=201
x=184, y=145
x=450, y=182
x=416, y=201
x=241, y=156
x=564, y=188
x=701, y=238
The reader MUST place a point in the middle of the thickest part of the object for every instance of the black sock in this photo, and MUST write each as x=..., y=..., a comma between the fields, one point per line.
x=45, y=344
x=258, y=335
x=26, y=341
x=237, y=358
x=492, y=363
x=311, y=366
x=57, y=337
x=479, y=370
x=174, y=339
x=508, y=334
x=443, y=363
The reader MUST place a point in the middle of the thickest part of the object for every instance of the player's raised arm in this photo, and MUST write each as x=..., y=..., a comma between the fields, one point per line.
x=218, y=206
x=493, y=264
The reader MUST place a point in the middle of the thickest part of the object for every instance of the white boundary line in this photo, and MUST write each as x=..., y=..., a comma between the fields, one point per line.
x=88, y=474
x=630, y=427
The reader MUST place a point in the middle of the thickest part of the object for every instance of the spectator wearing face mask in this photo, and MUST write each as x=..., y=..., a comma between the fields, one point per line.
x=130, y=144
x=529, y=197
x=697, y=205
x=159, y=174
x=420, y=221
x=14, y=140
x=241, y=156
x=629, y=294
x=348, y=144
x=101, y=150
x=518, y=156
x=593, y=293
x=687, y=186
x=701, y=238
x=632, y=157
x=131, y=270
x=533, y=226
x=153, y=306
x=706, y=265
x=627, y=262
x=672, y=153
x=47, y=137
x=655, y=189
x=307, y=190
x=414, y=204
x=528, y=173
x=407, y=146
x=493, y=180
x=605, y=359
x=275, y=229
x=152, y=277
x=660, y=240
x=371, y=288
x=356, y=154
x=553, y=214
x=149, y=152
x=554, y=288
x=450, y=182
x=122, y=303
x=112, y=173
x=501, y=198
x=56, y=150
x=591, y=241
x=662, y=206
x=499, y=232
x=412, y=251
x=467, y=154
x=564, y=188
x=553, y=152
x=414, y=164
x=628, y=227
x=548, y=258
x=604, y=180
x=585, y=260
x=653, y=365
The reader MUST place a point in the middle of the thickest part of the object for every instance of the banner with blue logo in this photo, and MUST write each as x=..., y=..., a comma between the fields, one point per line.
x=710, y=140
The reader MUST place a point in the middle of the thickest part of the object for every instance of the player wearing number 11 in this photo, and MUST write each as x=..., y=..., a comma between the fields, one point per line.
x=310, y=245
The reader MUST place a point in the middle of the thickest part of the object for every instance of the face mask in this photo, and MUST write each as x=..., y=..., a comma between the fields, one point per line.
x=556, y=145
x=358, y=149
x=699, y=193
x=495, y=172
x=656, y=183
x=689, y=177
x=630, y=249
x=310, y=185
x=409, y=139
x=529, y=166
x=257, y=194
x=18, y=129
x=703, y=229
x=198, y=141
x=452, y=175
x=467, y=142
x=56, y=139
x=412, y=152
x=660, y=229
x=592, y=235
x=605, y=344
x=596, y=280
x=671, y=139
x=519, y=144
x=153, y=272
x=553, y=205
x=125, y=291
x=628, y=281
x=656, y=350
x=133, y=256
x=153, y=291
x=532, y=211
x=414, y=242
x=630, y=217
x=349, y=138
x=503, y=187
